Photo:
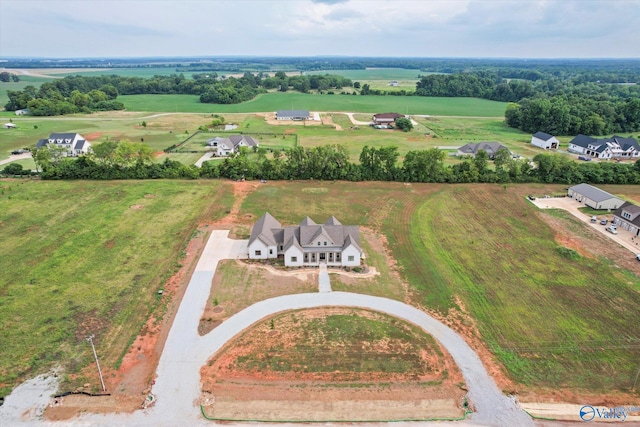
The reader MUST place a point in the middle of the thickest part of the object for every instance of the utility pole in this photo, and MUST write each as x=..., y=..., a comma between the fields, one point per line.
x=90, y=339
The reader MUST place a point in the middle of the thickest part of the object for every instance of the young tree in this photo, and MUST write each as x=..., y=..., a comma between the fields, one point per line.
x=404, y=124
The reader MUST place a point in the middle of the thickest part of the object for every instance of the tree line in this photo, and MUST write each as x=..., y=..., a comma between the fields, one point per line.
x=131, y=160
x=6, y=77
x=84, y=94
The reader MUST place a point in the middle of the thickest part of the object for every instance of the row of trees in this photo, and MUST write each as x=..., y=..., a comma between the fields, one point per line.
x=572, y=115
x=82, y=94
x=6, y=77
x=127, y=160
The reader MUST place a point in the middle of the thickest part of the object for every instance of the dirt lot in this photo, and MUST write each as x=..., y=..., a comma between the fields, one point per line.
x=233, y=391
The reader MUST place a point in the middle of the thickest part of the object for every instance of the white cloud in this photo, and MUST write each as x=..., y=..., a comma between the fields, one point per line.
x=541, y=28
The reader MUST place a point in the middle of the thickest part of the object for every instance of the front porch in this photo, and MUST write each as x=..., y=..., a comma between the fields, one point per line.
x=317, y=258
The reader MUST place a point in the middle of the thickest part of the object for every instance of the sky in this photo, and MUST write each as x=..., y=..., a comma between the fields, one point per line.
x=385, y=28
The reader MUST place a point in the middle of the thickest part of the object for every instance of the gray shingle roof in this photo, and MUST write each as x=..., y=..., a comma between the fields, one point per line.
x=632, y=209
x=292, y=113
x=269, y=231
x=262, y=229
x=490, y=147
x=543, y=136
x=591, y=192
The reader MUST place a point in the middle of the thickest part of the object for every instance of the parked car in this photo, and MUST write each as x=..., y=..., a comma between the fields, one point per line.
x=20, y=151
x=586, y=159
x=612, y=229
x=638, y=257
x=531, y=197
x=594, y=219
x=604, y=222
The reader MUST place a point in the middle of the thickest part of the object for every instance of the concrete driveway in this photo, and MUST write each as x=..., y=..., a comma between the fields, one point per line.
x=624, y=237
x=177, y=387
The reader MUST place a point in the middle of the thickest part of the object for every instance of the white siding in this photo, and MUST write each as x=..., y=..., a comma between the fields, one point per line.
x=258, y=245
x=293, y=252
x=350, y=251
x=544, y=144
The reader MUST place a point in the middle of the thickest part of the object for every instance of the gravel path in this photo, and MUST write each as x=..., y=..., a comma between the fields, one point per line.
x=177, y=387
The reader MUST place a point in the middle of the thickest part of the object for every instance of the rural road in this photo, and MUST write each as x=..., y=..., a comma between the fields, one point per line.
x=14, y=157
x=177, y=387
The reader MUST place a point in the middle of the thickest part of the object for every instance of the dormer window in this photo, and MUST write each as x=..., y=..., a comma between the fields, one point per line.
x=325, y=243
x=318, y=243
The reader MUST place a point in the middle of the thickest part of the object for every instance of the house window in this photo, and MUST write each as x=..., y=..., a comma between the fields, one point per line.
x=258, y=253
x=318, y=243
x=350, y=258
x=270, y=251
x=280, y=247
x=294, y=259
x=325, y=243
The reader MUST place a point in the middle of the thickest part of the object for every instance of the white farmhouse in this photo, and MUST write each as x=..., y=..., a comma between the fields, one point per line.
x=226, y=146
x=615, y=147
x=74, y=143
x=544, y=140
x=306, y=244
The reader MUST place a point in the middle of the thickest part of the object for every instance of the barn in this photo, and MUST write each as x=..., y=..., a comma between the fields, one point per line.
x=594, y=197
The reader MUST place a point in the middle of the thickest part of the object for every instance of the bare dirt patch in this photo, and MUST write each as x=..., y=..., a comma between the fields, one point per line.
x=281, y=386
x=137, y=207
x=93, y=136
x=327, y=119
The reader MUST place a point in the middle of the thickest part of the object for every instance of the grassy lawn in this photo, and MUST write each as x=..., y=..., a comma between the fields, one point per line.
x=315, y=342
x=78, y=260
x=547, y=317
x=278, y=101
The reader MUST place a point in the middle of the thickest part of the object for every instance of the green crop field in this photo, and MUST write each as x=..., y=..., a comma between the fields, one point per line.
x=144, y=72
x=551, y=319
x=375, y=74
x=87, y=257
x=270, y=102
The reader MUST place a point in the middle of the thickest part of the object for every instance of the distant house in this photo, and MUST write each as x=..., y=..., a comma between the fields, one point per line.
x=491, y=148
x=594, y=197
x=9, y=126
x=393, y=83
x=74, y=143
x=23, y=112
x=544, y=140
x=232, y=144
x=385, y=118
x=615, y=147
x=306, y=244
x=297, y=115
x=627, y=216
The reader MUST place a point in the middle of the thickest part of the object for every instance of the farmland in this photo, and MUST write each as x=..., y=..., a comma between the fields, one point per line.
x=81, y=258
x=543, y=314
x=285, y=101
x=537, y=313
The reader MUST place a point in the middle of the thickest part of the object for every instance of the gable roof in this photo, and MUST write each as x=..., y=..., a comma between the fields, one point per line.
x=632, y=209
x=602, y=144
x=63, y=135
x=490, y=147
x=591, y=192
x=263, y=229
x=293, y=113
x=239, y=139
x=268, y=230
x=542, y=135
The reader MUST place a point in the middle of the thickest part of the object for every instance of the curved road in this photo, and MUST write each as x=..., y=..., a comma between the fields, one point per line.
x=177, y=387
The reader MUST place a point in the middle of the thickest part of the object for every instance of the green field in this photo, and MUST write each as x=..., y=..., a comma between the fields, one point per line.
x=546, y=316
x=386, y=74
x=270, y=102
x=77, y=259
